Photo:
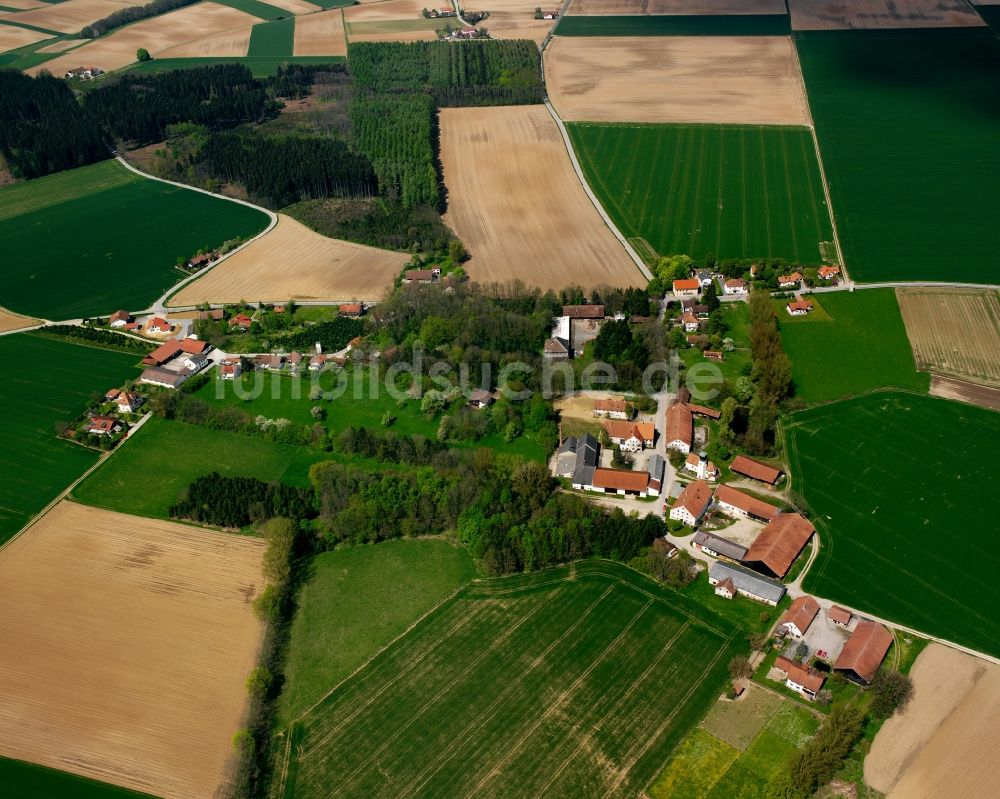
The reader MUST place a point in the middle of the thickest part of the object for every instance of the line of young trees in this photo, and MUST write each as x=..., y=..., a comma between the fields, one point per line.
x=127, y=16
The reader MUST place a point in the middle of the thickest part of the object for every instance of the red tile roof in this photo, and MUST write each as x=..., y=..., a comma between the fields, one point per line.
x=839, y=615
x=780, y=542
x=163, y=353
x=619, y=428
x=679, y=424
x=690, y=284
x=701, y=410
x=192, y=346
x=800, y=305
x=583, y=311
x=420, y=275
x=758, y=471
x=120, y=316
x=795, y=277
x=801, y=613
x=618, y=405
x=865, y=649
x=810, y=679
x=158, y=321
x=746, y=503
x=829, y=271
x=733, y=282
x=350, y=308
x=620, y=479
x=695, y=497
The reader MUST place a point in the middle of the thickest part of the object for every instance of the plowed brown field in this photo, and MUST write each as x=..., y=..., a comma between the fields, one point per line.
x=601, y=7
x=126, y=645
x=157, y=34
x=14, y=321
x=954, y=331
x=72, y=15
x=516, y=203
x=296, y=6
x=294, y=262
x=719, y=79
x=944, y=744
x=235, y=42
x=24, y=5
x=12, y=37
x=861, y=14
x=321, y=34
x=62, y=46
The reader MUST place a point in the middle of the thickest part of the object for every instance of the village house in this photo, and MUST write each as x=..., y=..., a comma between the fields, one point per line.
x=351, y=309
x=790, y=281
x=745, y=583
x=578, y=459
x=241, y=322
x=755, y=470
x=864, y=652
x=702, y=410
x=689, y=287
x=317, y=362
x=550, y=15
x=725, y=588
x=273, y=363
x=734, y=285
x=701, y=467
x=481, y=398
x=799, y=307
x=838, y=616
x=104, y=425
x=163, y=353
x=692, y=504
x=630, y=436
x=213, y=314
x=718, y=547
x=556, y=349
x=158, y=325
x=624, y=482
x=612, y=409
x=680, y=427
x=780, y=542
x=202, y=260
x=295, y=360
x=804, y=681
x=662, y=547
x=736, y=503
x=421, y=275
x=655, y=466
x=83, y=73
x=434, y=13
x=690, y=323
x=194, y=362
x=167, y=378
x=828, y=272
x=230, y=369
x=695, y=307
x=119, y=319
x=583, y=311
x=799, y=616
x=128, y=401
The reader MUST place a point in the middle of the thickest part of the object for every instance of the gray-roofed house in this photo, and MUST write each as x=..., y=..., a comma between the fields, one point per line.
x=158, y=376
x=718, y=546
x=747, y=583
x=656, y=465
x=586, y=449
x=556, y=349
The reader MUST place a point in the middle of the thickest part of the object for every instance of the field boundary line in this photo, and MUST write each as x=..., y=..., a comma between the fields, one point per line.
x=160, y=302
x=471, y=667
x=629, y=250
x=613, y=709
x=570, y=690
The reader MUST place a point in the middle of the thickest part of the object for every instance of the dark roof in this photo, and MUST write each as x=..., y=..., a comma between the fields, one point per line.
x=584, y=311
x=721, y=545
x=746, y=580
x=865, y=649
x=780, y=542
x=157, y=374
x=586, y=449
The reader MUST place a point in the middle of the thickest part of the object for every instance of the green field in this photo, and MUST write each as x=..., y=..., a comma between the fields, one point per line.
x=26, y=781
x=576, y=681
x=98, y=238
x=150, y=471
x=729, y=190
x=901, y=488
x=676, y=25
x=705, y=767
x=908, y=131
x=287, y=397
x=991, y=14
x=862, y=347
x=734, y=364
x=356, y=601
x=257, y=8
x=273, y=39
x=260, y=67
x=52, y=382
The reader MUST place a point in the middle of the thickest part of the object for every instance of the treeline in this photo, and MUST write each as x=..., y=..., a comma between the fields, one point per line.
x=42, y=127
x=128, y=15
x=455, y=73
x=240, y=501
x=287, y=168
x=397, y=133
x=102, y=338
x=139, y=107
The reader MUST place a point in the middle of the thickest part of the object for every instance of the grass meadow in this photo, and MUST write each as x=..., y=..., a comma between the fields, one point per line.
x=902, y=491
x=676, y=25
x=576, y=681
x=273, y=39
x=706, y=766
x=356, y=601
x=729, y=190
x=907, y=126
x=94, y=239
x=27, y=781
x=257, y=8
x=50, y=382
x=853, y=342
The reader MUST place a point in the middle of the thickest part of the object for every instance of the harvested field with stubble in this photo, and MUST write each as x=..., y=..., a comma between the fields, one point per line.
x=62, y=45
x=294, y=262
x=157, y=35
x=127, y=642
x=719, y=79
x=959, y=390
x=71, y=15
x=12, y=37
x=235, y=42
x=518, y=206
x=15, y=321
x=514, y=687
x=954, y=332
x=817, y=15
x=297, y=7
x=943, y=743
x=320, y=34
x=602, y=7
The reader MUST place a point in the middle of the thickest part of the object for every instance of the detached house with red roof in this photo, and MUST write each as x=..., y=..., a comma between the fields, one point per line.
x=799, y=616
x=680, y=427
x=828, y=272
x=128, y=402
x=789, y=281
x=241, y=322
x=687, y=288
x=799, y=307
x=804, y=681
x=158, y=326
x=119, y=319
x=693, y=503
x=736, y=503
x=104, y=425
x=735, y=285
x=631, y=436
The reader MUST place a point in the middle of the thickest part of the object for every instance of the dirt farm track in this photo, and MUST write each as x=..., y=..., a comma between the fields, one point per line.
x=516, y=203
x=126, y=645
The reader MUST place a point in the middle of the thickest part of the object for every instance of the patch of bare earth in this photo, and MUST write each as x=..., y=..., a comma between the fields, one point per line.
x=949, y=388
x=14, y=321
x=720, y=79
x=518, y=206
x=874, y=14
x=944, y=743
x=126, y=646
x=294, y=262
x=12, y=37
x=954, y=332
